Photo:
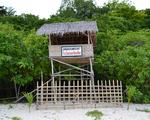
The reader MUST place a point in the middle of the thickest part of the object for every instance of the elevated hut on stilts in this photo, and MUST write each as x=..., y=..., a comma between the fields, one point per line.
x=71, y=53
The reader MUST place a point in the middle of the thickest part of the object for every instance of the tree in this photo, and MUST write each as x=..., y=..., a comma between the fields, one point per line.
x=147, y=18
x=126, y=13
x=80, y=9
x=22, y=56
x=24, y=22
x=6, y=11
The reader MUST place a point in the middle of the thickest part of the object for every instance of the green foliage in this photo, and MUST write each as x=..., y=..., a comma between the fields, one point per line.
x=97, y=115
x=16, y=118
x=29, y=97
x=25, y=22
x=147, y=18
x=125, y=57
x=22, y=56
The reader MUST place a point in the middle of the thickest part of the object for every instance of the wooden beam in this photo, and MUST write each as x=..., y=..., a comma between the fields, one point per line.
x=52, y=70
x=33, y=91
x=68, y=69
x=69, y=75
x=71, y=66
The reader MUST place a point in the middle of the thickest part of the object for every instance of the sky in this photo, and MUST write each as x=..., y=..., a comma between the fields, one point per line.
x=45, y=8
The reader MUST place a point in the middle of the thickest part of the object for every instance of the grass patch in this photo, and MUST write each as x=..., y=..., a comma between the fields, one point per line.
x=143, y=110
x=16, y=118
x=97, y=115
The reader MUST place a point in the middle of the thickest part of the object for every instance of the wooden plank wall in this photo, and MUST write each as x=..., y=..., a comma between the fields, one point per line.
x=55, y=50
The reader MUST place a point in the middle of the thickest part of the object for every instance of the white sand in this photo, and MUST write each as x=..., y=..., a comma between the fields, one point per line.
x=21, y=110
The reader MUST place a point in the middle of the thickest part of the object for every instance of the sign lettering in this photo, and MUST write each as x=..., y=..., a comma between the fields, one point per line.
x=71, y=51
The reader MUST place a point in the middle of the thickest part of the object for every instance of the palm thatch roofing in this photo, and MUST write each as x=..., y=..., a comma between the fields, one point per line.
x=68, y=27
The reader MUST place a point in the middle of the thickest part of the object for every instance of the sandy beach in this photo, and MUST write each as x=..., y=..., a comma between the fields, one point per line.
x=8, y=111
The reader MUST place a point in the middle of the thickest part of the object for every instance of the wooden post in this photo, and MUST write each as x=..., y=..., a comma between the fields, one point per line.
x=59, y=84
x=53, y=81
x=78, y=92
x=59, y=90
x=64, y=86
x=41, y=91
x=52, y=65
x=102, y=91
x=110, y=92
x=74, y=92
x=49, y=44
x=51, y=91
x=47, y=93
x=37, y=94
x=121, y=92
x=106, y=91
x=82, y=89
x=86, y=85
x=117, y=95
x=114, y=96
x=92, y=78
x=55, y=92
x=41, y=87
x=69, y=91
x=90, y=91
x=98, y=92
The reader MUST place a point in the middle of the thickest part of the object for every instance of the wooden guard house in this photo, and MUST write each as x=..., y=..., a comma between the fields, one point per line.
x=71, y=53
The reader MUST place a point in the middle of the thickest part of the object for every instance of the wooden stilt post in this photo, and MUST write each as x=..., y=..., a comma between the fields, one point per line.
x=92, y=80
x=53, y=81
x=52, y=65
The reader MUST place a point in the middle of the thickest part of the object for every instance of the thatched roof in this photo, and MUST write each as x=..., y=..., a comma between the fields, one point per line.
x=68, y=27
